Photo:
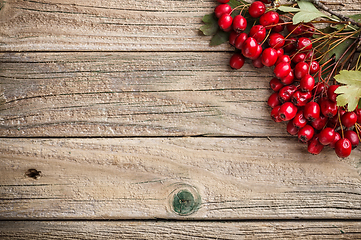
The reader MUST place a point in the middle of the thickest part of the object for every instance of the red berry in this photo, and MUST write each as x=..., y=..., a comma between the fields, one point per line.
x=306, y=133
x=299, y=120
x=269, y=57
x=319, y=88
x=291, y=129
x=286, y=93
x=314, y=146
x=328, y=108
x=240, y=40
x=283, y=58
x=343, y=148
x=232, y=37
x=279, y=27
x=287, y=111
x=358, y=113
x=308, y=30
x=258, y=32
x=314, y=67
x=300, y=98
x=311, y=111
x=294, y=29
x=319, y=123
x=298, y=57
x=327, y=135
x=225, y=22
x=275, y=84
x=257, y=9
x=335, y=140
x=273, y=100
x=307, y=83
x=276, y=40
x=257, y=63
x=222, y=9
x=251, y=49
x=280, y=52
x=269, y=19
x=290, y=44
x=353, y=137
x=290, y=78
x=266, y=1
x=223, y=1
x=236, y=61
x=282, y=69
x=274, y=114
x=239, y=23
x=331, y=92
x=301, y=69
x=304, y=43
x=349, y=119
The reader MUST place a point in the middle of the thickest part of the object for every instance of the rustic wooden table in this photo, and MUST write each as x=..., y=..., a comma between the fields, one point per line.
x=118, y=120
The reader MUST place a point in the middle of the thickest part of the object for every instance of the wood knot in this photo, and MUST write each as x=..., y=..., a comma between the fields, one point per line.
x=33, y=173
x=184, y=199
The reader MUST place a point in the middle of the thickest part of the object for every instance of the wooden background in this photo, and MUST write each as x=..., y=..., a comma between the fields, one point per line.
x=111, y=109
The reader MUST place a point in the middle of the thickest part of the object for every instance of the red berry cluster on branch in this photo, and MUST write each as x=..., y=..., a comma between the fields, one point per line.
x=309, y=106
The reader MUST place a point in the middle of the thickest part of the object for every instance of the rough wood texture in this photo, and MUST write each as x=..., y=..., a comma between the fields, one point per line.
x=110, y=25
x=132, y=94
x=240, y=178
x=180, y=230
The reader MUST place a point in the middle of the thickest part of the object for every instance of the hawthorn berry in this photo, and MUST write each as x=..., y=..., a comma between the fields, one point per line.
x=257, y=63
x=240, y=40
x=289, y=78
x=232, y=37
x=304, y=43
x=275, y=84
x=222, y=9
x=273, y=100
x=269, y=57
x=314, y=146
x=328, y=108
x=275, y=115
x=258, y=32
x=282, y=69
x=236, y=61
x=269, y=19
x=257, y=9
x=311, y=111
x=225, y=22
x=276, y=40
x=314, y=67
x=291, y=129
x=327, y=135
x=335, y=140
x=299, y=120
x=331, y=92
x=348, y=119
x=301, y=98
x=353, y=137
x=287, y=111
x=343, y=148
x=223, y=1
x=285, y=93
x=239, y=23
x=301, y=69
x=319, y=123
x=307, y=83
x=306, y=133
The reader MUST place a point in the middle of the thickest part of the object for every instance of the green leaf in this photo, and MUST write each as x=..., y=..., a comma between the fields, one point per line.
x=219, y=38
x=338, y=50
x=307, y=13
x=356, y=17
x=350, y=93
x=307, y=7
x=236, y=3
x=211, y=26
x=288, y=9
x=305, y=17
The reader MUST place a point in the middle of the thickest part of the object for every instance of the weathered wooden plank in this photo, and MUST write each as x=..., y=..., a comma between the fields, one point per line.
x=146, y=178
x=132, y=94
x=179, y=230
x=110, y=25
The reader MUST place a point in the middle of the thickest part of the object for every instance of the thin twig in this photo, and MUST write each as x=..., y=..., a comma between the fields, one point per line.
x=323, y=7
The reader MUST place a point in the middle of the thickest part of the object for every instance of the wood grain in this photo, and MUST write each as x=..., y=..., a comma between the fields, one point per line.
x=132, y=94
x=134, y=178
x=111, y=25
x=179, y=230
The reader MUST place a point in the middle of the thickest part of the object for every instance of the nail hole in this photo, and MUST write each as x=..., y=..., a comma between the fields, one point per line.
x=33, y=173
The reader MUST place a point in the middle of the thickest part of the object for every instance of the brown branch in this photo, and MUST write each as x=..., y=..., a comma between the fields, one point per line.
x=323, y=7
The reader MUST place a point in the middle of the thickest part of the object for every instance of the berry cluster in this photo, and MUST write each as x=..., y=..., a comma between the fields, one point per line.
x=309, y=106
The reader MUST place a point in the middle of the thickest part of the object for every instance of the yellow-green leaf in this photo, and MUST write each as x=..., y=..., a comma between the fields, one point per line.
x=350, y=93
